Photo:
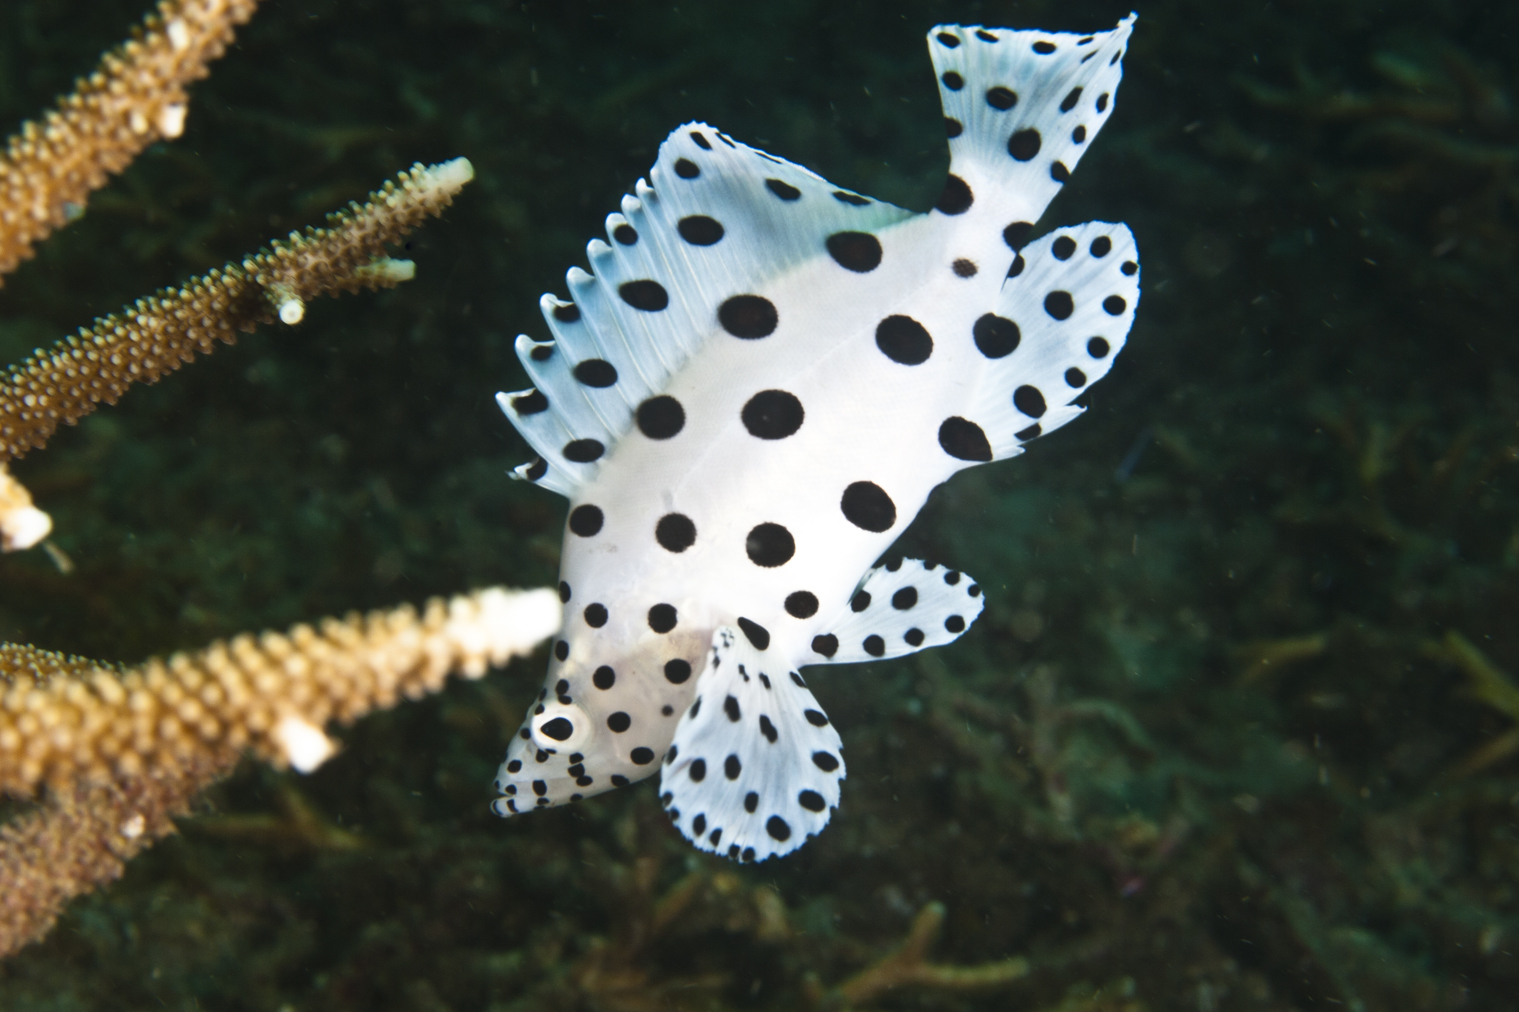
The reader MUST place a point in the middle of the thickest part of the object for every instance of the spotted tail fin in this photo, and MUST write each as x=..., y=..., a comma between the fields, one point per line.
x=1021, y=108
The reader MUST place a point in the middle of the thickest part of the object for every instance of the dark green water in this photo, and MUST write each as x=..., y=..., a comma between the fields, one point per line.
x=1313, y=435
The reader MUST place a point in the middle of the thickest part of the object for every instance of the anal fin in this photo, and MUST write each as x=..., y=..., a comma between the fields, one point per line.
x=755, y=767
x=901, y=607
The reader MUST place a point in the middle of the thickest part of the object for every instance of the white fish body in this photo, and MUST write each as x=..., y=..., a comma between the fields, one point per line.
x=753, y=395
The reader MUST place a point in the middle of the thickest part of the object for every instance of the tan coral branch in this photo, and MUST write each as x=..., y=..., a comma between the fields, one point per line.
x=124, y=751
x=63, y=720
x=160, y=333
x=136, y=96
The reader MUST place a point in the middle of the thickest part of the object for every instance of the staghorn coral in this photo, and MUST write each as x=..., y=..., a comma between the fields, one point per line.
x=135, y=97
x=121, y=752
x=124, y=751
x=161, y=332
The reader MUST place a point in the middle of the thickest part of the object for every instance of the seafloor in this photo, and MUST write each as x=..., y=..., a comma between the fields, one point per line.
x=1210, y=747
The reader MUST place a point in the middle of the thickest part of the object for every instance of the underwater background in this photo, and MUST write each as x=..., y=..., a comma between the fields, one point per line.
x=1228, y=735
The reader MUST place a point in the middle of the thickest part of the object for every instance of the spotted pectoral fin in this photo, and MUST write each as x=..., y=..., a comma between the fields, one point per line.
x=755, y=768
x=900, y=607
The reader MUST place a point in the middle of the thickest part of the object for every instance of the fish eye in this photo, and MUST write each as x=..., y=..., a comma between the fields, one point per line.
x=560, y=727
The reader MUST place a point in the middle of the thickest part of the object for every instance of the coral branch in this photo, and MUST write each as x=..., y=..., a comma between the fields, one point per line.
x=65, y=719
x=159, y=333
x=125, y=751
x=134, y=98
x=81, y=838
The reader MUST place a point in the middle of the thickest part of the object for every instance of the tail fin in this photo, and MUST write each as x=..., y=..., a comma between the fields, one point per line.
x=1022, y=107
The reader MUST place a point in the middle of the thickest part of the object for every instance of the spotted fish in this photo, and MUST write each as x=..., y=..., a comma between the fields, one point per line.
x=749, y=397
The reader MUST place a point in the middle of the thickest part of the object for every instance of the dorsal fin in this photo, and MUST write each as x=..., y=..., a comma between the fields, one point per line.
x=715, y=220
x=1021, y=108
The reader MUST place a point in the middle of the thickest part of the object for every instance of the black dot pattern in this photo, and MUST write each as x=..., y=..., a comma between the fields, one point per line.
x=625, y=234
x=1063, y=247
x=996, y=336
x=845, y=197
x=770, y=545
x=700, y=230
x=778, y=828
x=586, y=520
x=641, y=756
x=1072, y=97
x=675, y=532
x=1098, y=347
x=558, y=729
x=564, y=592
x=660, y=417
x=662, y=618
x=583, y=451
x=619, y=722
x=604, y=678
x=827, y=645
x=1017, y=234
x=1101, y=246
x=856, y=251
x=1059, y=305
x=783, y=190
x=801, y=604
x=1024, y=144
x=964, y=268
x=1114, y=305
x=677, y=670
x=953, y=81
x=953, y=127
x=595, y=615
x=1029, y=400
x=686, y=169
x=772, y=414
x=648, y=296
x=964, y=440
x=1001, y=99
x=866, y=505
x=1075, y=378
x=748, y=316
x=569, y=312
x=530, y=403
x=904, y=340
x=596, y=372
x=756, y=634
x=956, y=197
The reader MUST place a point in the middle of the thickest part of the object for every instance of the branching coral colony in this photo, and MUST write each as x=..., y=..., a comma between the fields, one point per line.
x=117, y=753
